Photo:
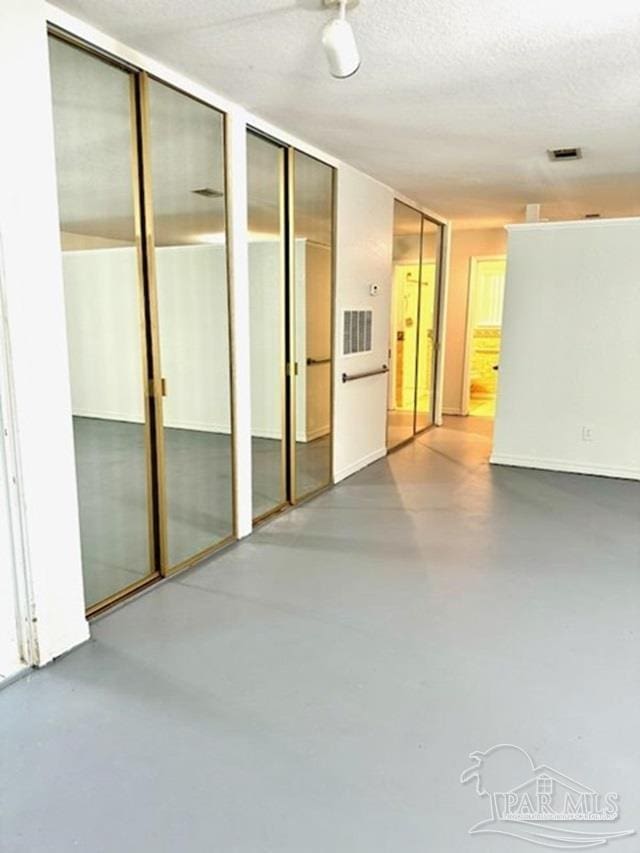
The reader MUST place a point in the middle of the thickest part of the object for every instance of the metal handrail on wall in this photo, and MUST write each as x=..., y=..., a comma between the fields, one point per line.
x=347, y=378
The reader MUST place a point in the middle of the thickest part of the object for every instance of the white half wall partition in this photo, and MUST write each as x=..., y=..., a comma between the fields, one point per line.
x=570, y=357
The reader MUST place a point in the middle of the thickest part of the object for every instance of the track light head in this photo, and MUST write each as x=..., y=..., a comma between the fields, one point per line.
x=339, y=42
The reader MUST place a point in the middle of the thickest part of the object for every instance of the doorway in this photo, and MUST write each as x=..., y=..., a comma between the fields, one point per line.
x=291, y=257
x=417, y=257
x=483, y=335
x=141, y=184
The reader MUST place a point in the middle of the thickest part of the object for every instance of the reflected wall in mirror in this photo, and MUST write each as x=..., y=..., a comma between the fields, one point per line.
x=267, y=294
x=96, y=170
x=312, y=320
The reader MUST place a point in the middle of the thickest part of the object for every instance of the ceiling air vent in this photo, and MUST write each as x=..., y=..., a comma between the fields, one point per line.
x=207, y=192
x=557, y=154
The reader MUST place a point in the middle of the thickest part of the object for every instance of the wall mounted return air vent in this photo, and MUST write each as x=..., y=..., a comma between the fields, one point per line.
x=207, y=192
x=558, y=154
x=356, y=332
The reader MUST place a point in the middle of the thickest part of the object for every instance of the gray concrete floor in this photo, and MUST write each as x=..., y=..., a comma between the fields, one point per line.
x=319, y=687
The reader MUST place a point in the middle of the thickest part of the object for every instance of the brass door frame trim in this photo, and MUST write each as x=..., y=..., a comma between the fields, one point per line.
x=147, y=366
x=155, y=379
x=137, y=586
x=74, y=40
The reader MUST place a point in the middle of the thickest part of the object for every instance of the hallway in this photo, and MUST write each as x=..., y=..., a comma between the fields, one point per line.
x=318, y=687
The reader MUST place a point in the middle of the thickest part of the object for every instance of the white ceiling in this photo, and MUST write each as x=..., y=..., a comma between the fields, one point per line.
x=456, y=102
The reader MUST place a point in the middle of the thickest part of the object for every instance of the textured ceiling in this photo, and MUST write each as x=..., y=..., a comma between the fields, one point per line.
x=456, y=102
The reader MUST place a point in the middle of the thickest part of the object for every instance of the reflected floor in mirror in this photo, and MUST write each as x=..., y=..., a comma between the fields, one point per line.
x=313, y=465
x=399, y=426
x=113, y=503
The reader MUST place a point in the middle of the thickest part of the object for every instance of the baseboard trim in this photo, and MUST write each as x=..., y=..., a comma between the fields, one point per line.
x=360, y=464
x=563, y=466
x=452, y=410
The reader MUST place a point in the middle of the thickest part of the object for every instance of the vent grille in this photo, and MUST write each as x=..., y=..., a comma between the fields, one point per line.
x=357, y=329
x=207, y=192
x=557, y=154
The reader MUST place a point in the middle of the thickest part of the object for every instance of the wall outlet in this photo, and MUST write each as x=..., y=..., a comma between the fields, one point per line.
x=374, y=289
x=587, y=433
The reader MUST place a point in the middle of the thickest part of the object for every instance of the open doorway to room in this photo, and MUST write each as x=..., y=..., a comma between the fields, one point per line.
x=483, y=335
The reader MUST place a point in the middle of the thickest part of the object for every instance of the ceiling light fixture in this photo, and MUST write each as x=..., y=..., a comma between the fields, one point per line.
x=339, y=42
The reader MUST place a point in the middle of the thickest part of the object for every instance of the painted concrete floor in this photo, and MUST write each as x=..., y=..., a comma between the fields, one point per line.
x=319, y=687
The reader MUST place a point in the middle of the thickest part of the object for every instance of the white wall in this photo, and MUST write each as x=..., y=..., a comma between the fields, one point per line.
x=571, y=348
x=10, y=654
x=36, y=326
x=364, y=257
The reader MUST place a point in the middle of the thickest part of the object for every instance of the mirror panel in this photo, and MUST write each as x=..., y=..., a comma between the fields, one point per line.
x=429, y=288
x=96, y=168
x=312, y=318
x=186, y=145
x=267, y=254
x=407, y=231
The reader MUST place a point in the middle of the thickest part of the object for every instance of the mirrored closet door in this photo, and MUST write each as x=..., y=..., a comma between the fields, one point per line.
x=291, y=250
x=142, y=226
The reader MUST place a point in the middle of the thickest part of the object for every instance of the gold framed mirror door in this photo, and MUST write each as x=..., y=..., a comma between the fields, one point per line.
x=142, y=194
x=291, y=275
x=414, y=346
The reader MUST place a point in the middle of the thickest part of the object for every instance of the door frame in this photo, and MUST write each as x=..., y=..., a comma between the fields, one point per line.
x=474, y=263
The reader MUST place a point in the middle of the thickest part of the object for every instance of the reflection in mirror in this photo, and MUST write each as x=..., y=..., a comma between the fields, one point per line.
x=407, y=229
x=93, y=141
x=429, y=278
x=313, y=301
x=187, y=165
x=265, y=189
